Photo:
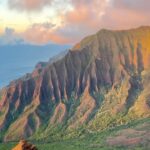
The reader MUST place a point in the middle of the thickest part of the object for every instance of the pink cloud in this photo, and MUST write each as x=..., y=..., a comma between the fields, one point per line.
x=28, y=5
x=87, y=12
x=123, y=14
x=42, y=34
x=86, y=17
x=83, y=19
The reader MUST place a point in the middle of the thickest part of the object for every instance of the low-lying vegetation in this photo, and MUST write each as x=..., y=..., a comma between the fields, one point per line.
x=99, y=140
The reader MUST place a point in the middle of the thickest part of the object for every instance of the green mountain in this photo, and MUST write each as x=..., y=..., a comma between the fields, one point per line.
x=102, y=83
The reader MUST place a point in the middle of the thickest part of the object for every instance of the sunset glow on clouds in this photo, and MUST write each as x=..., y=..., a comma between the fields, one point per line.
x=28, y=5
x=67, y=21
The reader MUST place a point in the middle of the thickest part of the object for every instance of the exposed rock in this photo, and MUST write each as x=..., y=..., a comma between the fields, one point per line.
x=24, y=145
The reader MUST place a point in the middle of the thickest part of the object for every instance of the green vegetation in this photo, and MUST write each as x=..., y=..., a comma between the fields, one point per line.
x=7, y=146
x=90, y=141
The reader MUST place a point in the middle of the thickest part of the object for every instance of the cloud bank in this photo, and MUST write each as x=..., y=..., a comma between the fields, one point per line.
x=85, y=17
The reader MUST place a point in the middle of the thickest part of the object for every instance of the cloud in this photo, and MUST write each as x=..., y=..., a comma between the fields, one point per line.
x=87, y=12
x=123, y=14
x=85, y=17
x=9, y=31
x=36, y=34
x=88, y=16
x=10, y=37
x=28, y=5
x=138, y=5
x=43, y=33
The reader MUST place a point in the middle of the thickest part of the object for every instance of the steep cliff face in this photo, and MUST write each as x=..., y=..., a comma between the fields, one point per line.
x=106, y=75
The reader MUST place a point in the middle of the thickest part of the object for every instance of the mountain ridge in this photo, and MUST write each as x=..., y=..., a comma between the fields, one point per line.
x=100, y=83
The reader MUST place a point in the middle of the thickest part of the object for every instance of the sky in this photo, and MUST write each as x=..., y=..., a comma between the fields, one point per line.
x=67, y=21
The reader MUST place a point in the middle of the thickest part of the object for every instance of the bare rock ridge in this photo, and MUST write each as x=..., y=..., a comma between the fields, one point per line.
x=108, y=72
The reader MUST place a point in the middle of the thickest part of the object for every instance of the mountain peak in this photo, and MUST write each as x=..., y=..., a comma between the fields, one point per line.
x=136, y=33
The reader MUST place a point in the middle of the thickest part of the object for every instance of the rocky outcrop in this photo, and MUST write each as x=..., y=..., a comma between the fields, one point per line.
x=24, y=145
x=89, y=79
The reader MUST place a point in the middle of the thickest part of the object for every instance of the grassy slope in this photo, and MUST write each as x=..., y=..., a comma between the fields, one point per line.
x=95, y=141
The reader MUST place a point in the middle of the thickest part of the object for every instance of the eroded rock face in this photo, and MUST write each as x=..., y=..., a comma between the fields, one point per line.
x=64, y=91
x=24, y=145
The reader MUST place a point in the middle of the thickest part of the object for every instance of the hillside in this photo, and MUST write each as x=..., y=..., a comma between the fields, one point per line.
x=101, y=83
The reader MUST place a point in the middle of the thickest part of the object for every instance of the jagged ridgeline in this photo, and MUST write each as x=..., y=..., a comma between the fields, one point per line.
x=102, y=82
